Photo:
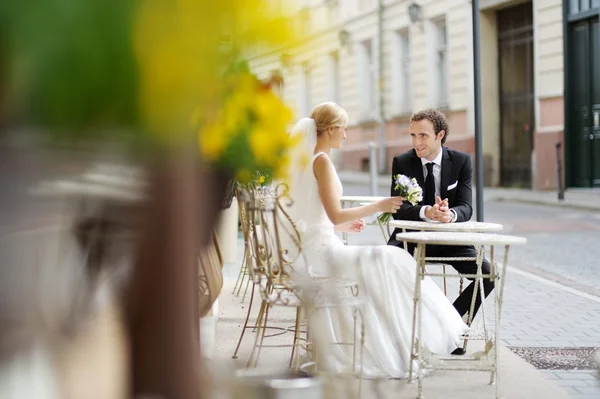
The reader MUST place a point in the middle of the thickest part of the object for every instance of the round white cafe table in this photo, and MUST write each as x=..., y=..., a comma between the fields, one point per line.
x=460, y=238
x=361, y=198
x=489, y=359
x=467, y=227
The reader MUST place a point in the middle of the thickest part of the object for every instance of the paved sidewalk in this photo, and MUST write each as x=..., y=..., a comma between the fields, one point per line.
x=578, y=198
x=519, y=378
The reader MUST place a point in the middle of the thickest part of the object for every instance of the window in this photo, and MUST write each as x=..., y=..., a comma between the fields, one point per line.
x=573, y=6
x=333, y=77
x=441, y=63
x=577, y=6
x=401, y=74
x=303, y=105
x=584, y=5
x=366, y=78
x=332, y=11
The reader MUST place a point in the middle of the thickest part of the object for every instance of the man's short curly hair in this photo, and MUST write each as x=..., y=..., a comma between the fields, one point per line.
x=437, y=118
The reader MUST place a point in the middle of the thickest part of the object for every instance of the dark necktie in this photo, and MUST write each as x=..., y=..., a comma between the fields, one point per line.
x=429, y=185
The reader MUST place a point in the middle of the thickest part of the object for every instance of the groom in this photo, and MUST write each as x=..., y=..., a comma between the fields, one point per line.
x=445, y=176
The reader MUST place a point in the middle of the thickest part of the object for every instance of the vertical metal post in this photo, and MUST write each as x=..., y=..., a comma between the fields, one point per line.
x=561, y=191
x=373, y=168
x=382, y=143
x=477, y=99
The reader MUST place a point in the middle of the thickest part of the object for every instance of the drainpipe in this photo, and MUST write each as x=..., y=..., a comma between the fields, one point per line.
x=382, y=141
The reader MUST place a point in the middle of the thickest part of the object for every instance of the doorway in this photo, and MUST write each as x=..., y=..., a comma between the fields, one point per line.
x=584, y=102
x=517, y=114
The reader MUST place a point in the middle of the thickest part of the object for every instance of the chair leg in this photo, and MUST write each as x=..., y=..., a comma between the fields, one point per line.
x=445, y=286
x=262, y=335
x=355, y=320
x=242, y=271
x=245, y=324
x=259, y=317
x=296, y=337
x=246, y=290
x=245, y=275
x=260, y=332
x=261, y=311
x=361, y=353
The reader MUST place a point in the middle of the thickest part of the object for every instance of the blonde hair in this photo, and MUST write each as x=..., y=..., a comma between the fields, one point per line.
x=328, y=115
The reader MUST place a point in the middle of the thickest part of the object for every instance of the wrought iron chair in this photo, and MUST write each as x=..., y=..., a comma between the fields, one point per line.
x=270, y=263
x=244, y=273
x=248, y=260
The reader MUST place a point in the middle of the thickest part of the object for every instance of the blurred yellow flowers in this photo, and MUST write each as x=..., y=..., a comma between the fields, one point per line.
x=184, y=47
x=250, y=131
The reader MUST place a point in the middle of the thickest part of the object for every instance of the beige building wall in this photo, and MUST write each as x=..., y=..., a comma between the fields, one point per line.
x=307, y=70
x=360, y=19
x=490, y=95
x=549, y=86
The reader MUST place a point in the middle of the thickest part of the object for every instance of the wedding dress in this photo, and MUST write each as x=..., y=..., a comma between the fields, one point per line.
x=386, y=276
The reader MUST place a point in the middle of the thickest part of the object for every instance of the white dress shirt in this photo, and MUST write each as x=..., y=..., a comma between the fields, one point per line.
x=437, y=178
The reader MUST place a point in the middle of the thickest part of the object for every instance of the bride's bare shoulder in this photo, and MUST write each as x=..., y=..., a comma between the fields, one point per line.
x=322, y=164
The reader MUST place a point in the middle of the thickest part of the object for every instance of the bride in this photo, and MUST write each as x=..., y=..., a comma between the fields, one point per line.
x=386, y=274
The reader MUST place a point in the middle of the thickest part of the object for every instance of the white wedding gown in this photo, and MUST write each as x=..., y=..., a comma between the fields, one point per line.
x=386, y=277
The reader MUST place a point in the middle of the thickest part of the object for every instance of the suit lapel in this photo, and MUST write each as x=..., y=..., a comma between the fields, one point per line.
x=446, y=169
x=417, y=170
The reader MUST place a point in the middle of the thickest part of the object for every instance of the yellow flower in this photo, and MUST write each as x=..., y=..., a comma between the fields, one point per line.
x=261, y=144
x=271, y=110
x=213, y=142
x=235, y=114
x=261, y=180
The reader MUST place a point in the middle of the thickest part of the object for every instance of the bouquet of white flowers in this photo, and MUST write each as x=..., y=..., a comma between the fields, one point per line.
x=408, y=189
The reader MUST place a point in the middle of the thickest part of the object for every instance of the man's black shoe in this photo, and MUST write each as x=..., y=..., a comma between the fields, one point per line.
x=459, y=351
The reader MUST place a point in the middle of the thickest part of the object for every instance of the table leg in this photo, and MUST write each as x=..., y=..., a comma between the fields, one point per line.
x=383, y=231
x=420, y=276
x=482, y=294
x=499, y=299
x=345, y=234
x=494, y=376
x=478, y=284
x=416, y=297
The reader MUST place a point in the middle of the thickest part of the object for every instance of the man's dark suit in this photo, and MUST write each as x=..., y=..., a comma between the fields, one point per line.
x=456, y=168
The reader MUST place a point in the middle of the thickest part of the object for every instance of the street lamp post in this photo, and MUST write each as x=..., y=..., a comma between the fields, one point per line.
x=382, y=139
x=477, y=100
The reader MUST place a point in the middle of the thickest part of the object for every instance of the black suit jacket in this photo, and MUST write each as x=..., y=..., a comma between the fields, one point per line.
x=456, y=168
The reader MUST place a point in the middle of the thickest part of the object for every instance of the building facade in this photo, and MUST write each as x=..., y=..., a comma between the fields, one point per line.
x=384, y=59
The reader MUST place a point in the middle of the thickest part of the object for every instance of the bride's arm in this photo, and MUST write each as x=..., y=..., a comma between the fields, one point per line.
x=346, y=227
x=327, y=179
x=342, y=227
x=354, y=226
